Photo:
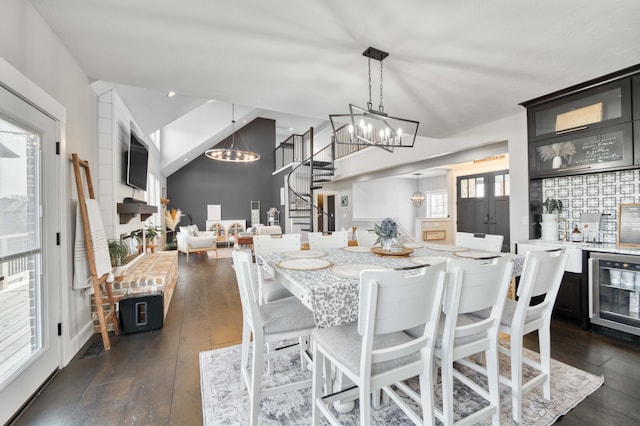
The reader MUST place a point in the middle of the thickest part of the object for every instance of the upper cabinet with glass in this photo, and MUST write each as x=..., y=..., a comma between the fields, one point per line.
x=588, y=109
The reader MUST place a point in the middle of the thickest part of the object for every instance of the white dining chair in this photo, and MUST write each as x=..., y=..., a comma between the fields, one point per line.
x=472, y=286
x=366, y=238
x=268, y=288
x=268, y=323
x=317, y=241
x=374, y=352
x=487, y=242
x=541, y=278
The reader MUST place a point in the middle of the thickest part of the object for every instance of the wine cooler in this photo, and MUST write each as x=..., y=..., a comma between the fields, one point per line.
x=614, y=291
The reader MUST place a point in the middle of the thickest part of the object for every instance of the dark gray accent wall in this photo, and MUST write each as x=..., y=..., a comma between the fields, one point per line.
x=279, y=182
x=232, y=185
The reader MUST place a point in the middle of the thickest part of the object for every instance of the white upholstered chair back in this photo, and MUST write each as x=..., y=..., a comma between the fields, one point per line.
x=268, y=243
x=317, y=241
x=366, y=238
x=269, y=230
x=473, y=241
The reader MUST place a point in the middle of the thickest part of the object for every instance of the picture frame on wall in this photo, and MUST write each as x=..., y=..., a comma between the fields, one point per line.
x=344, y=201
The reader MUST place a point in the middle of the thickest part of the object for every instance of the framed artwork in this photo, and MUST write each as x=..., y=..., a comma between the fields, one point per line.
x=344, y=201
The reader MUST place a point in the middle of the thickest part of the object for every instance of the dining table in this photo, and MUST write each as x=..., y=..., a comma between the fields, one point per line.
x=327, y=281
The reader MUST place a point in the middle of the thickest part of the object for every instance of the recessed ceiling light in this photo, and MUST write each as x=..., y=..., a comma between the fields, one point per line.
x=185, y=159
x=291, y=129
x=170, y=93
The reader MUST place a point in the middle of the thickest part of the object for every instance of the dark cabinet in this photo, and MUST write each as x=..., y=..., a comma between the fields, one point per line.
x=584, y=152
x=586, y=110
x=590, y=127
x=635, y=83
x=636, y=141
x=568, y=301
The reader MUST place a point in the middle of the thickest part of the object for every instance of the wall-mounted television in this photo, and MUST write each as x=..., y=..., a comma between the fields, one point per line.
x=137, y=163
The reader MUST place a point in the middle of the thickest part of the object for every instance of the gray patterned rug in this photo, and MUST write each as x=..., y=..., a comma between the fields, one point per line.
x=224, y=403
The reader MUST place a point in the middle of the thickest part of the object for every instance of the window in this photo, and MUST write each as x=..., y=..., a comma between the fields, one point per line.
x=152, y=196
x=437, y=204
x=472, y=188
x=502, y=185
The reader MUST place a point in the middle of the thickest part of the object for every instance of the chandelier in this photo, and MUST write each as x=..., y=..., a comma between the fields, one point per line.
x=418, y=197
x=225, y=151
x=372, y=127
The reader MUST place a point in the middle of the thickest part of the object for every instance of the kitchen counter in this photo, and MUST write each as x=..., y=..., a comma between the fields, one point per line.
x=601, y=247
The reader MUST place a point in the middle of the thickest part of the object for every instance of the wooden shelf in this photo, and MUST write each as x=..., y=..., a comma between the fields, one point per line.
x=128, y=211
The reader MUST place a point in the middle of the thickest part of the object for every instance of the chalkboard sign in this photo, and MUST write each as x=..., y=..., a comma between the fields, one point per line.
x=612, y=148
x=629, y=224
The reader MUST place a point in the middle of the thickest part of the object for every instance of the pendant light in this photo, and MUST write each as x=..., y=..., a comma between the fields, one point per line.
x=371, y=127
x=418, y=197
x=229, y=152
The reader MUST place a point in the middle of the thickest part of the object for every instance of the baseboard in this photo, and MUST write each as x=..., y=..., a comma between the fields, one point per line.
x=77, y=342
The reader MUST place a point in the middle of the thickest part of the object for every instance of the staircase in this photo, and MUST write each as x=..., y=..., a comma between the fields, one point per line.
x=309, y=175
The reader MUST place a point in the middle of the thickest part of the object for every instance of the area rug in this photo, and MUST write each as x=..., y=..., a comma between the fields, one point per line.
x=224, y=403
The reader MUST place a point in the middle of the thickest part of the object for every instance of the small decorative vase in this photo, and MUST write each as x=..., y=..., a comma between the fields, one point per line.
x=549, y=227
x=386, y=244
x=556, y=163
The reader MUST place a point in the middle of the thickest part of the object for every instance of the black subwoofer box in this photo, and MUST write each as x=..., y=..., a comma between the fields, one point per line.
x=141, y=313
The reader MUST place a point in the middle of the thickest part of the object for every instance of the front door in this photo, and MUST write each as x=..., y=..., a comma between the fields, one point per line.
x=483, y=204
x=29, y=284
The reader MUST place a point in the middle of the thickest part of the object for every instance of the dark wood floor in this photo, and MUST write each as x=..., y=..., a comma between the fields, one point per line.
x=153, y=377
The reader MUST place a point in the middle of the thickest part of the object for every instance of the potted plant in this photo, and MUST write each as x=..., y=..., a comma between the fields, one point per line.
x=551, y=205
x=118, y=252
x=387, y=232
x=150, y=233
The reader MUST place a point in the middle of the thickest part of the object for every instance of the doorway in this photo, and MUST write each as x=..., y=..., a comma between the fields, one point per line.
x=29, y=259
x=483, y=204
x=331, y=213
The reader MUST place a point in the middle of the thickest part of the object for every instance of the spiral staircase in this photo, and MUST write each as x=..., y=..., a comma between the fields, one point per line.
x=313, y=169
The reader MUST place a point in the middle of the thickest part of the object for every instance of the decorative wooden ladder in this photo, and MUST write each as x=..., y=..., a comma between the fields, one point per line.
x=96, y=281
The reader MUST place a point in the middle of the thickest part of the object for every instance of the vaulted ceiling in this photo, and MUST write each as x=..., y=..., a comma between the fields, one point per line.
x=451, y=65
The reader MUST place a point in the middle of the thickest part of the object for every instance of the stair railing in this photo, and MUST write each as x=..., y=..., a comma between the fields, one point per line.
x=301, y=182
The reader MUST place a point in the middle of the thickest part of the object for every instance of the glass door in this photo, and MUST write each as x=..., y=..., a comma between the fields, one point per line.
x=29, y=293
x=616, y=291
x=483, y=204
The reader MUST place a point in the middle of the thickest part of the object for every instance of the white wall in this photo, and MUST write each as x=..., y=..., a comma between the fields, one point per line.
x=115, y=123
x=380, y=198
x=29, y=45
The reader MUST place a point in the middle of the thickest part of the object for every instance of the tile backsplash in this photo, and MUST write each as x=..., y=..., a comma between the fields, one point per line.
x=593, y=193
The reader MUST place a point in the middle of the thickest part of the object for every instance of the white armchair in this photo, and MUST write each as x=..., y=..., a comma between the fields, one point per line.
x=190, y=240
